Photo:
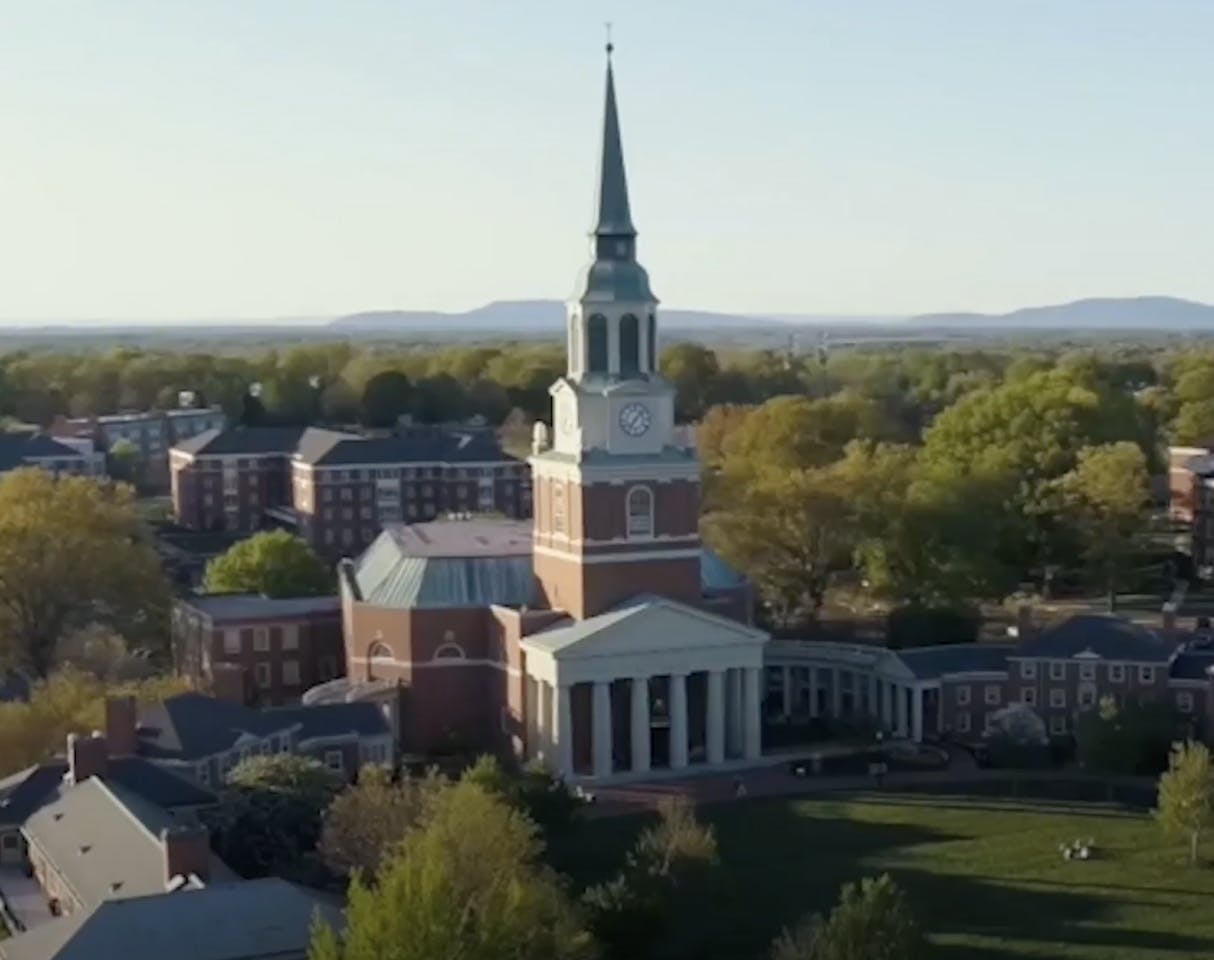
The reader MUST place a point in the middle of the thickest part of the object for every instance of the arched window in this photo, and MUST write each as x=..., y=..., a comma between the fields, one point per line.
x=651, y=333
x=381, y=651
x=640, y=512
x=596, y=341
x=449, y=651
x=558, y=507
x=630, y=344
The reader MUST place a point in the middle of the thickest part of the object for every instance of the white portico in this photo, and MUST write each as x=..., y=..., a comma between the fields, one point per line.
x=652, y=685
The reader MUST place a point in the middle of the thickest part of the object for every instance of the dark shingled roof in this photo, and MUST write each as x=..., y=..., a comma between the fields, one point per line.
x=251, y=606
x=1192, y=665
x=242, y=441
x=1107, y=637
x=18, y=446
x=24, y=793
x=329, y=448
x=222, y=921
x=191, y=726
x=929, y=663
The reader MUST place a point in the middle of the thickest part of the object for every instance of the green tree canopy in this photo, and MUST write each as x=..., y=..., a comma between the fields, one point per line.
x=269, y=820
x=467, y=882
x=73, y=553
x=386, y=398
x=274, y=563
x=1186, y=795
x=872, y=921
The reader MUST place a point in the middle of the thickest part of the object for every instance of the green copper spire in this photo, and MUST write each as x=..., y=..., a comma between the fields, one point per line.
x=613, y=218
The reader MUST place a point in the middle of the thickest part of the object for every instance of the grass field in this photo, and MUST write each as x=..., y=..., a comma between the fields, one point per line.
x=985, y=877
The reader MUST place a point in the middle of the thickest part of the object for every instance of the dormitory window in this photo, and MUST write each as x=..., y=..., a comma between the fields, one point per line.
x=640, y=512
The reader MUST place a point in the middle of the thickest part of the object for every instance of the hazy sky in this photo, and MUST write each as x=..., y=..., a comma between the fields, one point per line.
x=258, y=158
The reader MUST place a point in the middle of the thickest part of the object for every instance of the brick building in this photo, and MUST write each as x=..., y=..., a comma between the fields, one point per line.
x=339, y=489
x=152, y=432
x=953, y=691
x=273, y=649
x=1191, y=498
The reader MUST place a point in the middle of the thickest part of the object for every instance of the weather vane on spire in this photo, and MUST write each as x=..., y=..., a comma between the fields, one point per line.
x=610, y=45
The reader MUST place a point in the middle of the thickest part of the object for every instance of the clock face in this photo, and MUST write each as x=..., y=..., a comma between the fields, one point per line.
x=635, y=419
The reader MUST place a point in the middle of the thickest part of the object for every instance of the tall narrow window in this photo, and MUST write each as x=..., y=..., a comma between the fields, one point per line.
x=558, y=508
x=630, y=345
x=640, y=512
x=651, y=334
x=596, y=342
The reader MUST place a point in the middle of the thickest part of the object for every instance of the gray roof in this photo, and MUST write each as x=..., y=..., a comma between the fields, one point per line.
x=267, y=919
x=1192, y=665
x=242, y=441
x=931, y=663
x=105, y=841
x=18, y=447
x=192, y=726
x=24, y=793
x=470, y=563
x=1106, y=637
x=612, y=215
x=457, y=563
x=329, y=448
x=251, y=606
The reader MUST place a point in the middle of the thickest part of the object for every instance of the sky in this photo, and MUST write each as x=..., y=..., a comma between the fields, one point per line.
x=171, y=160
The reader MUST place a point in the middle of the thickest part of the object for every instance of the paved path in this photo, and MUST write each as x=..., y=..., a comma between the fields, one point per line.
x=24, y=898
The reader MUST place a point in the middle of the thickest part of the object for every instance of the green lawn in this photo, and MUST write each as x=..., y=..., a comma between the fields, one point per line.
x=985, y=877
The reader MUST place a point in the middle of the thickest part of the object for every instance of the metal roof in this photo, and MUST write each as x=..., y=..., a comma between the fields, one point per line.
x=242, y=441
x=17, y=447
x=612, y=216
x=249, y=920
x=1192, y=665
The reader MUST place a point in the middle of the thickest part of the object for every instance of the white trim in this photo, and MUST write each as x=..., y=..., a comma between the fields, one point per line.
x=1186, y=684
x=585, y=474
x=624, y=556
x=443, y=663
x=687, y=538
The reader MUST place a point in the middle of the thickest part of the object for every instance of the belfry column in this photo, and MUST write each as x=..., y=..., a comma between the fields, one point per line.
x=716, y=717
x=678, y=721
x=640, y=724
x=562, y=731
x=602, y=728
x=753, y=710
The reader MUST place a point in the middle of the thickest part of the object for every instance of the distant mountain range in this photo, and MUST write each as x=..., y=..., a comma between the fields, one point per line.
x=538, y=316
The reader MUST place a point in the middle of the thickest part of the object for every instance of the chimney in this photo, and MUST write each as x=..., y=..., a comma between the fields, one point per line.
x=1169, y=621
x=1024, y=621
x=187, y=852
x=120, y=722
x=86, y=756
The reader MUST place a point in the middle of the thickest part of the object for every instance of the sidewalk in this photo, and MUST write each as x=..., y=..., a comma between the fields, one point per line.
x=23, y=898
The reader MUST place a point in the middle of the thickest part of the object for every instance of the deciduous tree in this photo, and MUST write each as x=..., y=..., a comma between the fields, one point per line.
x=873, y=921
x=274, y=563
x=72, y=553
x=1186, y=795
x=468, y=882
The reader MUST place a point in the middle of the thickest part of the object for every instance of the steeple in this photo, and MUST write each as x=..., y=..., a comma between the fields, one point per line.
x=613, y=217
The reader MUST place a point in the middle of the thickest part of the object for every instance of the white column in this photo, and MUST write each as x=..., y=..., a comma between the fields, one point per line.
x=640, y=724
x=813, y=691
x=535, y=718
x=753, y=707
x=887, y=705
x=874, y=709
x=916, y=714
x=836, y=693
x=602, y=728
x=678, y=721
x=786, y=676
x=562, y=730
x=903, y=696
x=716, y=716
x=733, y=710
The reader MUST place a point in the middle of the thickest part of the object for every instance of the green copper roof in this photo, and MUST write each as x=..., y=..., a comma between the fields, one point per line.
x=613, y=217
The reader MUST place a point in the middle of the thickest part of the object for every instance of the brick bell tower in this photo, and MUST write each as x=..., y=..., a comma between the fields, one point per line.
x=616, y=496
